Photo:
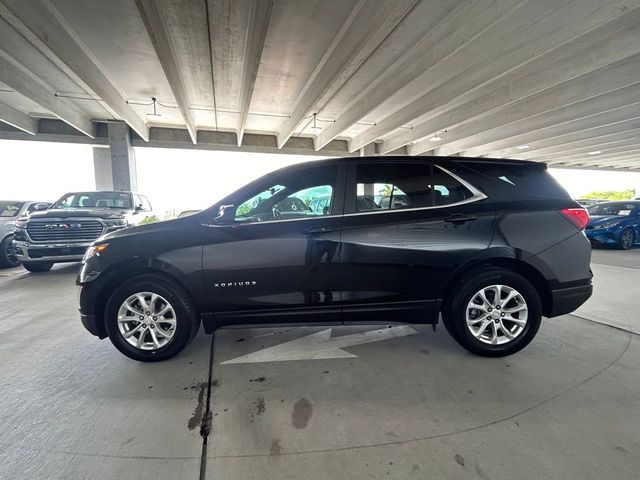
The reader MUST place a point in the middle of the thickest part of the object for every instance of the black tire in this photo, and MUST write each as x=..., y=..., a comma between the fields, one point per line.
x=7, y=257
x=38, y=267
x=187, y=319
x=465, y=291
x=627, y=239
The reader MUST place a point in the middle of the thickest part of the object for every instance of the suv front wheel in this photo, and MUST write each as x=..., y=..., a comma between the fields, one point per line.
x=494, y=313
x=150, y=318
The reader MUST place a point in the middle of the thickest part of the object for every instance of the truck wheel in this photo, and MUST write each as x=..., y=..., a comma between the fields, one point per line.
x=495, y=312
x=150, y=318
x=38, y=266
x=7, y=255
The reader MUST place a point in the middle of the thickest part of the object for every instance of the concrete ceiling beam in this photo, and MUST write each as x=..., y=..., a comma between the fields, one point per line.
x=259, y=16
x=606, y=147
x=577, y=139
x=607, y=89
x=16, y=118
x=369, y=23
x=604, y=154
x=595, y=160
x=458, y=27
x=157, y=29
x=530, y=31
x=41, y=24
x=618, y=116
x=34, y=88
x=603, y=46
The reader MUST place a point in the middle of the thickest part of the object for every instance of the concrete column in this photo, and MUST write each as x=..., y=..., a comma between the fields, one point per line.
x=102, y=168
x=123, y=160
x=115, y=167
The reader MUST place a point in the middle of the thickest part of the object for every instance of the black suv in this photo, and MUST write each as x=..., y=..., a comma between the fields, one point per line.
x=489, y=245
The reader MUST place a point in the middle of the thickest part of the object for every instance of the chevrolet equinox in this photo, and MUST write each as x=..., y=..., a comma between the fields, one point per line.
x=488, y=246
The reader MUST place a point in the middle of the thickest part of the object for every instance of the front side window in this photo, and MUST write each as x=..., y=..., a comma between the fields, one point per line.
x=397, y=185
x=297, y=195
x=118, y=200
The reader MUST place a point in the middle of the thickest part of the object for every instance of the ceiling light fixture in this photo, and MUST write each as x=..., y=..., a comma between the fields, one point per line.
x=595, y=152
x=522, y=147
x=155, y=109
x=437, y=136
x=315, y=126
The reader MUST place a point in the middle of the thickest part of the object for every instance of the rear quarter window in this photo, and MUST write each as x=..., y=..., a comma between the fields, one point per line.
x=530, y=180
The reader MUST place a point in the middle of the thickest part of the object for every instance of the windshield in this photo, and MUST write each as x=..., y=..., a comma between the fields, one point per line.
x=10, y=209
x=622, y=209
x=121, y=200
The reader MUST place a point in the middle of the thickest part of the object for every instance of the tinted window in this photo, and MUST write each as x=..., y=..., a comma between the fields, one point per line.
x=526, y=179
x=386, y=186
x=301, y=194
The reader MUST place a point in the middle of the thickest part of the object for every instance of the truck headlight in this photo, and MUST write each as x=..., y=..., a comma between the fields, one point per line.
x=115, y=224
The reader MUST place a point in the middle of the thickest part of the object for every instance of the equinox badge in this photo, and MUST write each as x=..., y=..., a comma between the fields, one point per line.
x=235, y=284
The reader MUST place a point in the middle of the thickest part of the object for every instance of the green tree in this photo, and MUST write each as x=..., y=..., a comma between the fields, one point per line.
x=612, y=194
x=386, y=190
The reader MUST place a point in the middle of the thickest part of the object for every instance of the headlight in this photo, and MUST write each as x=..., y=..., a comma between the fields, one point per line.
x=95, y=251
x=21, y=224
x=606, y=225
x=116, y=224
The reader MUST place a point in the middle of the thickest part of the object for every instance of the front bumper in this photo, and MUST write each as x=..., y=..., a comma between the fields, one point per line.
x=567, y=300
x=603, y=236
x=58, y=252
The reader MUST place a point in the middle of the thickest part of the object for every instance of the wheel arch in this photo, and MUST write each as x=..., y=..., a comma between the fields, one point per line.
x=521, y=267
x=126, y=270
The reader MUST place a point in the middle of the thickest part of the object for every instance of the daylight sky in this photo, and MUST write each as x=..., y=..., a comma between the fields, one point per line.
x=190, y=179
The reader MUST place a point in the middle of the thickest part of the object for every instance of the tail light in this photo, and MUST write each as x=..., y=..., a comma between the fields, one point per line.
x=578, y=216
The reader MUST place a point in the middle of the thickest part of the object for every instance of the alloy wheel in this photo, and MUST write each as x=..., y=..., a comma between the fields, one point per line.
x=497, y=314
x=147, y=321
x=626, y=239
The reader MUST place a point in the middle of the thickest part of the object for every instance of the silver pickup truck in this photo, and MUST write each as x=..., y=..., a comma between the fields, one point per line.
x=64, y=232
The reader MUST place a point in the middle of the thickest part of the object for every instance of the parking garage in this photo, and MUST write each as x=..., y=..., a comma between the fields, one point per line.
x=550, y=82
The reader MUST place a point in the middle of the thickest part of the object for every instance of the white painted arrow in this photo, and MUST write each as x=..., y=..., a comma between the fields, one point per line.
x=320, y=345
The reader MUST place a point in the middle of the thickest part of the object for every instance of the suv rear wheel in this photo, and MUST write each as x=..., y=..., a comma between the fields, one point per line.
x=494, y=313
x=38, y=266
x=150, y=318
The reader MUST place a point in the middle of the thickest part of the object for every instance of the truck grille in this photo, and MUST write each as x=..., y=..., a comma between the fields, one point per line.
x=64, y=230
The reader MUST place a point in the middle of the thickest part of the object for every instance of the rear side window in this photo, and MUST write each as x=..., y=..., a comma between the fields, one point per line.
x=397, y=185
x=525, y=179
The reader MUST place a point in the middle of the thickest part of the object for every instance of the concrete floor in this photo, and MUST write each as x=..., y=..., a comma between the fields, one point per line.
x=412, y=407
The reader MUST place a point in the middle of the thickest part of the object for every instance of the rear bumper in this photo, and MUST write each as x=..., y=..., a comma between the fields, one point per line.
x=567, y=300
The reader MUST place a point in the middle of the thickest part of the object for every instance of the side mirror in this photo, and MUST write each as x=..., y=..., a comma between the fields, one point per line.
x=138, y=208
x=226, y=215
x=39, y=207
